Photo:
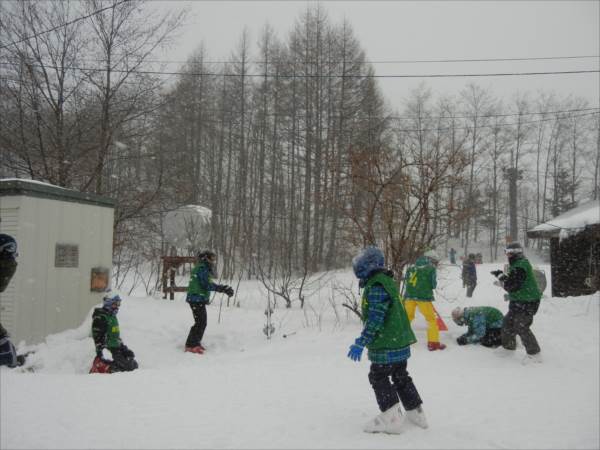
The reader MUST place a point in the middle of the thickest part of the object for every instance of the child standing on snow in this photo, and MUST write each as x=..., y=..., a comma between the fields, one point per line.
x=419, y=283
x=198, y=296
x=469, y=274
x=387, y=336
x=106, y=334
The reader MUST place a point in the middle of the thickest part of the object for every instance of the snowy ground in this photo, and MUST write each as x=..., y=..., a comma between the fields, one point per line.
x=301, y=391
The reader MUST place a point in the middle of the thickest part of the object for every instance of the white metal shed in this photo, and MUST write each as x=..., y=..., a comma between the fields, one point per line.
x=64, y=241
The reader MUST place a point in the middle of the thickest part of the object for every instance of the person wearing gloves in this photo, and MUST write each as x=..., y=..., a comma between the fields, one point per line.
x=107, y=335
x=419, y=282
x=484, y=325
x=198, y=296
x=388, y=336
x=523, y=302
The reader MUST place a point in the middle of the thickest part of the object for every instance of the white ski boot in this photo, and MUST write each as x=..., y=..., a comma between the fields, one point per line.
x=417, y=416
x=390, y=421
x=532, y=359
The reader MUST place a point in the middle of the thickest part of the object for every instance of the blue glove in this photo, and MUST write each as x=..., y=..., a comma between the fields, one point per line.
x=355, y=352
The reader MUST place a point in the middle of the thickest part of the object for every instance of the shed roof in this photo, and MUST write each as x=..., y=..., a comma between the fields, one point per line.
x=33, y=188
x=570, y=222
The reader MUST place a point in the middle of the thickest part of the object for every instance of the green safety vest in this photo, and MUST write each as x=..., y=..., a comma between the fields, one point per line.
x=419, y=282
x=396, y=332
x=529, y=292
x=491, y=314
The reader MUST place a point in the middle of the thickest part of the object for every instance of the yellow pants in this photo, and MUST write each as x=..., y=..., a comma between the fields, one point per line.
x=426, y=308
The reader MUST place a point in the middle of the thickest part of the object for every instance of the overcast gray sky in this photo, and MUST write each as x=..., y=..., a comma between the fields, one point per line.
x=428, y=30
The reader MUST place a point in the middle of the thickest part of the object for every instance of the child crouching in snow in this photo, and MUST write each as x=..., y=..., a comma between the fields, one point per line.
x=387, y=335
x=106, y=334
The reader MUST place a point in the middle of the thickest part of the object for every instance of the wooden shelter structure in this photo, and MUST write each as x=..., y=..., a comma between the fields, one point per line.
x=170, y=264
x=574, y=249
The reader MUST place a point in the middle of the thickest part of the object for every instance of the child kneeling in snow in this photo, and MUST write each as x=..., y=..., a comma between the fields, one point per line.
x=387, y=335
x=105, y=331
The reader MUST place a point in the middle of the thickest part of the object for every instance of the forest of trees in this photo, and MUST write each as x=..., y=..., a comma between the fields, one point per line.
x=289, y=142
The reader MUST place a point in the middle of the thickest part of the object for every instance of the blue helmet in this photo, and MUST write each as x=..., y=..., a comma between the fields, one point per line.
x=368, y=260
x=8, y=247
x=111, y=302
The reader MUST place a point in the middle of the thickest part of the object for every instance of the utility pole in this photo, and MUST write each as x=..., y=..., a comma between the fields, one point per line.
x=512, y=174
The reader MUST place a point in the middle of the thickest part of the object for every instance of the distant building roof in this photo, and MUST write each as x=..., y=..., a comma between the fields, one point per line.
x=34, y=188
x=570, y=222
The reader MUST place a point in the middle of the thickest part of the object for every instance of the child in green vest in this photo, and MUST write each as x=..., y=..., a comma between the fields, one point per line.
x=419, y=282
x=387, y=335
x=106, y=334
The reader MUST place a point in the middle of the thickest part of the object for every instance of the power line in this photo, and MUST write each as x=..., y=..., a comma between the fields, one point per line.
x=327, y=76
x=337, y=116
x=385, y=61
x=66, y=24
x=489, y=126
x=485, y=116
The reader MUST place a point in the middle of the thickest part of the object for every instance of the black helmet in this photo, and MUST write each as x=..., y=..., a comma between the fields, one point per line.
x=207, y=255
x=8, y=247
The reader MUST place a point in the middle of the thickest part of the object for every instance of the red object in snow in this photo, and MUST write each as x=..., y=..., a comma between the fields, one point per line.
x=197, y=349
x=100, y=366
x=440, y=322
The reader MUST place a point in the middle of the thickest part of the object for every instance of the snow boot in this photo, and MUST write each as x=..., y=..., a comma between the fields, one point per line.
x=100, y=366
x=532, y=359
x=417, y=416
x=432, y=346
x=390, y=421
x=196, y=349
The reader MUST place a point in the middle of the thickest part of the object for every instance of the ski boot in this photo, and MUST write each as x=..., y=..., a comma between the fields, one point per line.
x=390, y=421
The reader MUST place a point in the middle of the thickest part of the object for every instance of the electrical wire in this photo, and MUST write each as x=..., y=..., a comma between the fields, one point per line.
x=301, y=76
x=71, y=22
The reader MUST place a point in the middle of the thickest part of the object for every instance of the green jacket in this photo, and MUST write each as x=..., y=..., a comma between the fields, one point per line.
x=528, y=291
x=420, y=281
x=397, y=332
x=480, y=319
x=105, y=329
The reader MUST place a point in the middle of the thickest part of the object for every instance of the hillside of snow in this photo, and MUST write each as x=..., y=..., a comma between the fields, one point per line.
x=301, y=391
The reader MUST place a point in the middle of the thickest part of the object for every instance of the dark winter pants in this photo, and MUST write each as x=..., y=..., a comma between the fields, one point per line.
x=518, y=321
x=470, y=289
x=197, y=331
x=492, y=338
x=386, y=393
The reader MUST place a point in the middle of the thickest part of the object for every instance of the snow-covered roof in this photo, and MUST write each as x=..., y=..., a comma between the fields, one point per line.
x=570, y=222
x=35, y=188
